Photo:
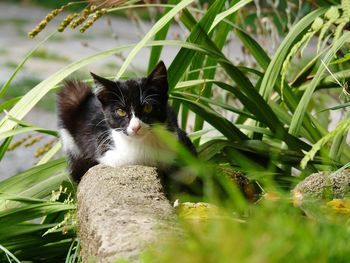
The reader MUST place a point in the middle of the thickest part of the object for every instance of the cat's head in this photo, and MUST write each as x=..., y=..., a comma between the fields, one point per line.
x=133, y=105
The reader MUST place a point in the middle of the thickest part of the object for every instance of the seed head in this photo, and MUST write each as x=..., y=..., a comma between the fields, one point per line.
x=45, y=148
x=43, y=23
x=95, y=17
x=66, y=22
x=16, y=144
x=83, y=16
x=33, y=140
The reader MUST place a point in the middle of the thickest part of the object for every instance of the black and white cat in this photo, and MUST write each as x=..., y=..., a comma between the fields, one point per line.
x=113, y=125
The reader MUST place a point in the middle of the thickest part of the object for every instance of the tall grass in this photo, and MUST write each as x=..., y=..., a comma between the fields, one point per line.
x=271, y=129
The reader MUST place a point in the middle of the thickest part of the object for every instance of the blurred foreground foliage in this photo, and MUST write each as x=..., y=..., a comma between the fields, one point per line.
x=266, y=232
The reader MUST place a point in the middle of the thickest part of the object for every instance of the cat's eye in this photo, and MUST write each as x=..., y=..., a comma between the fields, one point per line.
x=147, y=108
x=121, y=113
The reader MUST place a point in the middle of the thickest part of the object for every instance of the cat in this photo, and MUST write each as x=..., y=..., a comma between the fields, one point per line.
x=113, y=125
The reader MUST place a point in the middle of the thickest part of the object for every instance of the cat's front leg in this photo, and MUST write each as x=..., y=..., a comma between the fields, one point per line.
x=78, y=166
x=115, y=158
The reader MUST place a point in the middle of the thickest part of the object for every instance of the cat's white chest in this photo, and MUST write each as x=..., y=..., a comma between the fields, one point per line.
x=148, y=150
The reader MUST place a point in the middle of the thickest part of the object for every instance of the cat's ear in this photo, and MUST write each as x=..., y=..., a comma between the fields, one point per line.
x=159, y=76
x=102, y=82
x=104, y=87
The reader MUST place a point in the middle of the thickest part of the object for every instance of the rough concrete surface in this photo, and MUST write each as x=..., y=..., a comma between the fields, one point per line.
x=315, y=186
x=120, y=210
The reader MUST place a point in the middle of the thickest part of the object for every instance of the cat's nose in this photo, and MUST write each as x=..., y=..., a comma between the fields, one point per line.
x=135, y=129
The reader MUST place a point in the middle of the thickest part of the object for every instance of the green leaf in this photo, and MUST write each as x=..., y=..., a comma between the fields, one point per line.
x=219, y=122
x=198, y=134
x=160, y=35
x=185, y=56
x=221, y=33
x=254, y=48
x=255, y=129
x=156, y=28
x=342, y=128
x=209, y=149
x=50, y=154
x=21, y=199
x=338, y=107
x=21, y=64
x=32, y=211
x=4, y=146
x=304, y=102
x=44, y=188
x=216, y=103
x=33, y=176
x=230, y=11
x=305, y=71
x=334, y=79
x=9, y=254
x=343, y=59
x=275, y=66
x=17, y=230
x=9, y=103
x=17, y=131
x=272, y=74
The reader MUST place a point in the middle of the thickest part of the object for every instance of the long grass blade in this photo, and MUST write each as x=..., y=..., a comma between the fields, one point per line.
x=32, y=176
x=32, y=211
x=160, y=35
x=230, y=11
x=220, y=123
x=4, y=146
x=17, y=131
x=290, y=98
x=21, y=64
x=274, y=68
x=8, y=253
x=50, y=154
x=304, y=102
x=184, y=56
x=156, y=28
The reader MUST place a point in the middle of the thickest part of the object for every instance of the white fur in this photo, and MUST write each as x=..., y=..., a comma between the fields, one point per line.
x=136, y=123
x=68, y=142
x=144, y=148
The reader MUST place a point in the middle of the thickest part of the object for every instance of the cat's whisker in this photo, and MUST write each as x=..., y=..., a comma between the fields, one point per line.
x=103, y=135
x=152, y=95
x=149, y=98
x=122, y=96
x=140, y=93
x=103, y=144
x=105, y=119
x=119, y=102
x=150, y=101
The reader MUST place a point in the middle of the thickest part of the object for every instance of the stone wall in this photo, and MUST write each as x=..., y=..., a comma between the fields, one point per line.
x=120, y=211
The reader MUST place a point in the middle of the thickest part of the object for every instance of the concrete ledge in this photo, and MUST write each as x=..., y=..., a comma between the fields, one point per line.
x=120, y=211
x=317, y=185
